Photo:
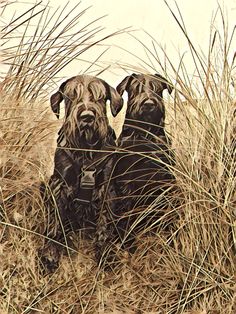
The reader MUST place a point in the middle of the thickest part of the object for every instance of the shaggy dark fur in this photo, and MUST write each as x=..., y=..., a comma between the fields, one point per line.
x=80, y=185
x=142, y=174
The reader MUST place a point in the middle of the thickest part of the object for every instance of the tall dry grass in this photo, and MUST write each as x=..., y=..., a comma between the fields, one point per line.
x=191, y=270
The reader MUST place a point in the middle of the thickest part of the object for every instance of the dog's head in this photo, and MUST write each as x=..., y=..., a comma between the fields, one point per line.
x=145, y=97
x=85, y=99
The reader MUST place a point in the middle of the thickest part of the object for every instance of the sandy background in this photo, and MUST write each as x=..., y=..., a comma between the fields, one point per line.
x=148, y=21
x=151, y=16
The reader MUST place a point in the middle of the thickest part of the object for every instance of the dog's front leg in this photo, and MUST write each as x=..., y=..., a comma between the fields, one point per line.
x=126, y=199
x=102, y=233
x=57, y=206
x=57, y=198
x=105, y=224
x=61, y=186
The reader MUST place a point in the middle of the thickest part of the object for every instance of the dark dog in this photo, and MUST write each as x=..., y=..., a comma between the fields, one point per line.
x=142, y=174
x=83, y=160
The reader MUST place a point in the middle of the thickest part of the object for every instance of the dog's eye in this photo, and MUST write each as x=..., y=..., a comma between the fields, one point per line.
x=159, y=94
x=153, y=86
x=139, y=88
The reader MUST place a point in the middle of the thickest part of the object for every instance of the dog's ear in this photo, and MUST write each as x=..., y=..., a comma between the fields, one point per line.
x=116, y=101
x=56, y=99
x=165, y=83
x=125, y=84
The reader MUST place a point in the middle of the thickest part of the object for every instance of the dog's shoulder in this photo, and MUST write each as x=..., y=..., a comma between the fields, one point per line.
x=111, y=137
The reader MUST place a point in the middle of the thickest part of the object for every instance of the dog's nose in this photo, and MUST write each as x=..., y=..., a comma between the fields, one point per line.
x=87, y=116
x=148, y=106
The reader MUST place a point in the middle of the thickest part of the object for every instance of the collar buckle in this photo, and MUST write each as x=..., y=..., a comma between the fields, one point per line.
x=88, y=179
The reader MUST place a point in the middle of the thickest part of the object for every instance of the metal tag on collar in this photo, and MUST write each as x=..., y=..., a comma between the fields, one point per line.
x=87, y=179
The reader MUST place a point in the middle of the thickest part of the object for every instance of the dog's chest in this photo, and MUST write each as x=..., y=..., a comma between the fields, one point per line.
x=88, y=190
x=90, y=171
x=141, y=165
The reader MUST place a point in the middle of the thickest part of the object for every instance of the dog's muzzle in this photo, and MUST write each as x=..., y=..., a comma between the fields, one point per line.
x=148, y=106
x=87, y=117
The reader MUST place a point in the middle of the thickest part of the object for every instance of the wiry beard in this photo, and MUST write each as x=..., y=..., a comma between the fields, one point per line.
x=79, y=134
x=153, y=117
x=136, y=114
x=88, y=136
